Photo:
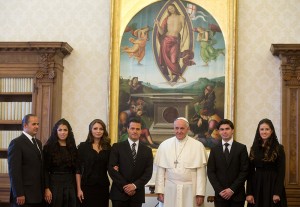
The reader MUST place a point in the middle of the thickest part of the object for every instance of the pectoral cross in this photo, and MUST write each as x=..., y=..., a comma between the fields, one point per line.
x=176, y=162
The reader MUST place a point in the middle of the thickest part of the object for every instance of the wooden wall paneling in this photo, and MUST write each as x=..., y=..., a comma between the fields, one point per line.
x=289, y=55
x=43, y=62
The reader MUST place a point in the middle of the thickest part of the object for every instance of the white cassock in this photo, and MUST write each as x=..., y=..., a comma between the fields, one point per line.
x=181, y=171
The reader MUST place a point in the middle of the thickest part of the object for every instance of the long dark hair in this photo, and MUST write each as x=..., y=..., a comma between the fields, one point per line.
x=105, y=140
x=53, y=147
x=270, y=147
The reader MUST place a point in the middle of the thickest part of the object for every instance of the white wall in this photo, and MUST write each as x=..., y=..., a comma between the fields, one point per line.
x=258, y=80
x=85, y=25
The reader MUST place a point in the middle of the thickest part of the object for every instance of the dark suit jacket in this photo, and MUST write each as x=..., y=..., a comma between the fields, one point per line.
x=139, y=174
x=25, y=170
x=232, y=175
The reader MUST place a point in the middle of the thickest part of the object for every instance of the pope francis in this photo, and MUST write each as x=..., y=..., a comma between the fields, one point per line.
x=181, y=169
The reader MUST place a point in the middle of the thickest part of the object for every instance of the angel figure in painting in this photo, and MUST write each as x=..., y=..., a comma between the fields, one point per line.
x=207, y=42
x=171, y=38
x=137, y=50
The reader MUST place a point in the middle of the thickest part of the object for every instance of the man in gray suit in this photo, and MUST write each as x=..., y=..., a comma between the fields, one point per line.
x=227, y=168
x=26, y=166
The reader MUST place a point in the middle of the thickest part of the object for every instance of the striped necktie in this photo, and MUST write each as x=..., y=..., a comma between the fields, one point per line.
x=35, y=144
x=133, y=151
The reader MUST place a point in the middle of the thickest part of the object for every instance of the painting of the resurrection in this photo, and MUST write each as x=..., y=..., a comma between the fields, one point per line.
x=172, y=64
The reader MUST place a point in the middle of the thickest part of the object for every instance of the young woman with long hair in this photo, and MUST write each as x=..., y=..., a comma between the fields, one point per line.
x=91, y=177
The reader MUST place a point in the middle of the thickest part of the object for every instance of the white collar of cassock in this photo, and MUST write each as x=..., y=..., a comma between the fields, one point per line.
x=182, y=140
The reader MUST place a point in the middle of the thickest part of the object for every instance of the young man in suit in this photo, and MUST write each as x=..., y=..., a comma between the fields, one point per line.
x=25, y=166
x=130, y=168
x=227, y=168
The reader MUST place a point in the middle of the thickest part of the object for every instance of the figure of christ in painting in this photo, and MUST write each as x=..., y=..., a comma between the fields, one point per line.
x=169, y=35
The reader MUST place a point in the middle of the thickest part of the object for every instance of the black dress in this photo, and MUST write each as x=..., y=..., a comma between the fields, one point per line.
x=60, y=178
x=94, y=179
x=267, y=179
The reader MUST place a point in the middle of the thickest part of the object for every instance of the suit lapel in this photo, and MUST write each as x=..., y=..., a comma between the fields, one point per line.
x=139, y=154
x=32, y=146
x=222, y=153
x=129, y=152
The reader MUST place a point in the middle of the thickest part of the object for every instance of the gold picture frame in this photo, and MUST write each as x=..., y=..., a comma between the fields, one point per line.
x=124, y=11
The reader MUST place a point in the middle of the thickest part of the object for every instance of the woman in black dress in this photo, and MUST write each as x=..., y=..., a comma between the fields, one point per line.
x=91, y=178
x=60, y=157
x=265, y=185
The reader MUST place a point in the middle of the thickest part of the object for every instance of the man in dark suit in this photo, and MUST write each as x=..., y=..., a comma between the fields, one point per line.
x=25, y=166
x=227, y=168
x=130, y=168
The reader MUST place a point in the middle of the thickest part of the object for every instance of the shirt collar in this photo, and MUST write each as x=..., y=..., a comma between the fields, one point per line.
x=131, y=142
x=229, y=142
x=28, y=136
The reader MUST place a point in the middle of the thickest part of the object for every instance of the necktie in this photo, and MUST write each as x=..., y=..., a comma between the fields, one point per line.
x=226, y=152
x=35, y=144
x=133, y=151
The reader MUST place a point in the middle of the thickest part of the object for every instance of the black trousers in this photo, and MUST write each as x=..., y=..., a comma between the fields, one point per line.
x=229, y=203
x=127, y=203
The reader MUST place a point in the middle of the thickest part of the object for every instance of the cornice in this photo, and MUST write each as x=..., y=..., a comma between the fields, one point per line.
x=285, y=49
x=42, y=47
x=43, y=57
x=289, y=54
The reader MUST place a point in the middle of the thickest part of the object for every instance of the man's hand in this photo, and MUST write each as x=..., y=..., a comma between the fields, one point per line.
x=48, y=195
x=199, y=200
x=276, y=198
x=116, y=168
x=226, y=194
x=131, y=193
x=250, y=199
x=160, y=197
x=21, y=200
x=129, y=189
